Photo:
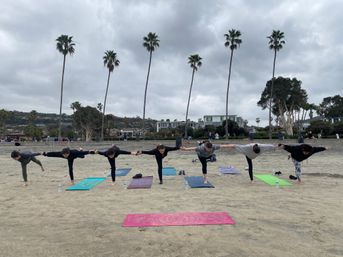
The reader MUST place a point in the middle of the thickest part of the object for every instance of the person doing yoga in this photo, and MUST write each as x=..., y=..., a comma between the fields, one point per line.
x=160, y=152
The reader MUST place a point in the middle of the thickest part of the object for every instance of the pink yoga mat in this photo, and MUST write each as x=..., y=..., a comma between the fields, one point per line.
x=177, y=219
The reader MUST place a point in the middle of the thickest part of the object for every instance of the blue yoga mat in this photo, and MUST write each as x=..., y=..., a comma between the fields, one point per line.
x=169, y=171
x=228, y=170
x=122, y=171
x=198, y=182
x=86, y=184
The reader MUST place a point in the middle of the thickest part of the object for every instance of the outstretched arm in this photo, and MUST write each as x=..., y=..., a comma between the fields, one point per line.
x=151, y=152
x=126, y=152
x=187, y=148
x=227, y=146
x=319, y=149
x=168, y=148
x=53, y=154
x=281, y=146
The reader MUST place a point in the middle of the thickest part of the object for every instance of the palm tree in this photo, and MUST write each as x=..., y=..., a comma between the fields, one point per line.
x=150, y=43
x=111, y=61
x=232, y=41
x=258, y=121
x=275, y=43
x=65, y=45
x=195, y=63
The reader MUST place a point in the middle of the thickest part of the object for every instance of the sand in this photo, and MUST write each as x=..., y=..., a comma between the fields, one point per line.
x=300, y=220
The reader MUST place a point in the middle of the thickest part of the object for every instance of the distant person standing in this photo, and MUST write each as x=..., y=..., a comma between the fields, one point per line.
x=24, y=158
x=300, y=153
x=70, y=155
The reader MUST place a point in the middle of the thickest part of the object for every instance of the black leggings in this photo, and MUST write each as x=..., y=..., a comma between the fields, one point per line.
x=203, y=161
x=250, y=168
x=159, y=165
x=113, y=168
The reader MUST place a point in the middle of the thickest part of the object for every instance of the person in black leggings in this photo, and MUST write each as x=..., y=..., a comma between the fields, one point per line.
x=251, y=151
x=24, y=158
x=205, y=151
x=70, y=155
x=160, y=152
x=111, y=154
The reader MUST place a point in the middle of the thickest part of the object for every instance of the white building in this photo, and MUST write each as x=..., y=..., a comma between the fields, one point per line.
x=174, y=124
x=214, y=120
x=217, y=120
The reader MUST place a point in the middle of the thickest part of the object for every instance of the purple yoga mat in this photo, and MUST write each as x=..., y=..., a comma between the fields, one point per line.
x=144, y=182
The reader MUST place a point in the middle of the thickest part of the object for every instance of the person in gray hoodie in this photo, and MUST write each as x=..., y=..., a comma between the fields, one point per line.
x=251, y=151
x=205, y=151
x=24, y=158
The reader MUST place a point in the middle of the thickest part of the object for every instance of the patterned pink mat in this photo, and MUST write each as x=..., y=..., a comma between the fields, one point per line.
x=177, y=219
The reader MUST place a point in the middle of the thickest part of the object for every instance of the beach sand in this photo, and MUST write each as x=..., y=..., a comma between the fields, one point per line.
x=299, y=220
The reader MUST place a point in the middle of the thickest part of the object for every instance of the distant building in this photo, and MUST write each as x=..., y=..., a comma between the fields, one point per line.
x=174, y=124
x=217, y=120
x=214, y=120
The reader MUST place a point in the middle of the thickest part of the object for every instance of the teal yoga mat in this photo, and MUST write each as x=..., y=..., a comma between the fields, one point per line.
x=197, y=182
x=86, y=184
x=272, y=180
x=169, y=171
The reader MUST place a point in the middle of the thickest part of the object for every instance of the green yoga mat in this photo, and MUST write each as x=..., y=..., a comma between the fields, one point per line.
x=272, y=180
x=86, y=184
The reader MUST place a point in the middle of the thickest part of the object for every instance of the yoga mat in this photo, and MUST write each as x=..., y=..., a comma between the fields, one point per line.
x=177, y=219
x=144, y=182
x=228, y=170
x=198, y=182
x=86, y=184
x=271, y=180
x=169, y=171
x=122, y=171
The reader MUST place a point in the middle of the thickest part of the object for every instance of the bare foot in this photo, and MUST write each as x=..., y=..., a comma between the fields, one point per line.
x=113, y=183
x=72, y=182
x=25, y=184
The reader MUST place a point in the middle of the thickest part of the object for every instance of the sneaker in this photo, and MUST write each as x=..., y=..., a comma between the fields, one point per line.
x=293, y=177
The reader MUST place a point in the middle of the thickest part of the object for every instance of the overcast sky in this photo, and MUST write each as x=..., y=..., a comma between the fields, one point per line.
x=30, y=65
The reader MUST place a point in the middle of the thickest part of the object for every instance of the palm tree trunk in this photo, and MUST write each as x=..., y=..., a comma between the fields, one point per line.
x=227, y=99
x=60, y=118
x=189, y=98
x=145, y=92
x=103, y=111
x=271, y=98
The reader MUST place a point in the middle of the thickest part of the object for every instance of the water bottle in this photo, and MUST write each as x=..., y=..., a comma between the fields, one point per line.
x=59, y=189
x=186, y=184
x=277, y=183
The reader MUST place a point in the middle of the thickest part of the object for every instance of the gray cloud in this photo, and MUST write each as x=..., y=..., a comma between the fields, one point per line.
x=30, y=66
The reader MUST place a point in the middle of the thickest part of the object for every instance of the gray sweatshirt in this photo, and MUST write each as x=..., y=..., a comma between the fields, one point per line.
x=202, y=152
x=248, y=149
